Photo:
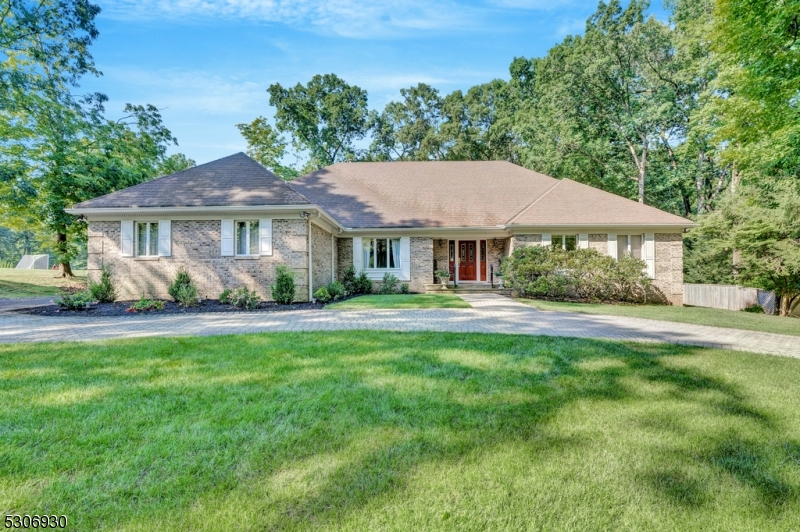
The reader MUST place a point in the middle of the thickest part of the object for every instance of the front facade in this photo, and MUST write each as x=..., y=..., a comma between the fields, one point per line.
x=231, y=223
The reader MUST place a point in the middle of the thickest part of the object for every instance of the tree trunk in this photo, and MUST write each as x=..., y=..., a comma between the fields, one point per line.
x=699, y=181
x=64, y=268
x=785, y=305
x=642, y=173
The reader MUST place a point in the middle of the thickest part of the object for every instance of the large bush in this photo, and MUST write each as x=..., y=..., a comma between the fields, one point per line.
x=283, y=291
x=582, y=274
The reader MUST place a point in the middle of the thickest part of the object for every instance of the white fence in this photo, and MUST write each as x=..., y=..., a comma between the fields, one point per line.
x=727, y=297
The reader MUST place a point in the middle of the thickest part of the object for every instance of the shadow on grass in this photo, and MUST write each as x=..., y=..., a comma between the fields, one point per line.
x=122, y=430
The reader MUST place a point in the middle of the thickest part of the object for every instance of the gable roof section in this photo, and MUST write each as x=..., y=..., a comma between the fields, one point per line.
x=236, y=180
x=411, y=194
x=573, y=203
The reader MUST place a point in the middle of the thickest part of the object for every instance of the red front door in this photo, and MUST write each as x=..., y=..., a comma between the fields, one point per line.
x=467, y=260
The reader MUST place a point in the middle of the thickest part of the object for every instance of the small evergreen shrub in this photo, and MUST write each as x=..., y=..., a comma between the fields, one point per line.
x=76, y=301
x=104, y=291
x=755, y=309
x=388, y=284
x=404, y=288
x=349, y=280
x=336, y=290
x=145, y=304
x=363, y=284
x=182, y=278
x=240, y=298
x=284, y=290
x=186, y=295
x=322, y=295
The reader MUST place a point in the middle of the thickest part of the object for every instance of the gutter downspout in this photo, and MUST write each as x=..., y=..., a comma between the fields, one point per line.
x=310, y=264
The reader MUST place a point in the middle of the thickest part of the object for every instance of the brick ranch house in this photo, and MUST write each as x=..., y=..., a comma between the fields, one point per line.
x=231, y=222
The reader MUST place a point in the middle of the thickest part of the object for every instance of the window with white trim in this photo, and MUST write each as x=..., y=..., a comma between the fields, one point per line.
x=147, y=239
x=381, y=253
x=246, y=237
x=630, y=245
x=565, y=242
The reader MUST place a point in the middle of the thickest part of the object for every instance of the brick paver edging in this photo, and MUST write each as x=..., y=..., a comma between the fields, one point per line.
x=490, y=314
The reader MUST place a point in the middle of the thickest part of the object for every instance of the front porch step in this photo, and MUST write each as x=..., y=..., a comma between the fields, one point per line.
x=466, y=289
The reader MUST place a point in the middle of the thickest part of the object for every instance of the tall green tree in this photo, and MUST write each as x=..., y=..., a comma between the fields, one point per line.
x=174, y=163
x=266, y=146
x=325, y=118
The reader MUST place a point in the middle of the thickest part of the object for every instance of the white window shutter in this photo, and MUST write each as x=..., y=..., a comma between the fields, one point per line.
x=226, y=228
x=546, y=240
x=405, y=258
x=165, y=238
x=650, y=254
x=358, y=254
x=126, y=238
x=583, y=240
x=611, y=242
x=265, y=235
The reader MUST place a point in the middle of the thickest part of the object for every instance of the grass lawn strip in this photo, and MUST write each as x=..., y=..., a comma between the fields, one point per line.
x=400, y=301
x=37, y=283
x=399, y=431
x=694, y=315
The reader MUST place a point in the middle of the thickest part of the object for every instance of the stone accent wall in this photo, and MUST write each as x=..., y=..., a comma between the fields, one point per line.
x=196, y=246
x=496, y=249
x=421, y=263
x=517, y=241
x=441, y=254
x=321, y=256
x=344, y=256
x=669, y=266
x=599, y=242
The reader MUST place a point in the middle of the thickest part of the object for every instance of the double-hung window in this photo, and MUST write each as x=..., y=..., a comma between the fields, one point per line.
x=246, y=237
x=147, y=239
x=629, y=245
x=381, y=253
x=565, y=242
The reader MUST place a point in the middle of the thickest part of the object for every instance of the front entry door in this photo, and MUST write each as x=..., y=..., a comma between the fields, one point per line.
x=468, y=260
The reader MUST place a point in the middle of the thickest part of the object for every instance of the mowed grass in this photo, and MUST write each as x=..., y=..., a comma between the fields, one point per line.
x=399, y=431
x=37, y=283
x=395, y=301
x=695, y=315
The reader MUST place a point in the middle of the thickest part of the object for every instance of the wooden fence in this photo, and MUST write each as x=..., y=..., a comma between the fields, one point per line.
x=723, y=296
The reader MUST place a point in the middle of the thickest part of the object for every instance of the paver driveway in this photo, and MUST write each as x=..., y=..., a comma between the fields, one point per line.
x=490, y=314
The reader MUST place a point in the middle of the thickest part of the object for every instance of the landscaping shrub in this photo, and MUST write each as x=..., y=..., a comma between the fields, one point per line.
x=182, y=278
x=404, y=288
x=145, y=304
x=240, y=298
x=582, y=274
x=186, y=295
x=104, y=291
x=388, y=284
x=349, y=280
x=322, y=295
x=76, y=301
x=755, y=309
x=336, y=290
x=363, y=284
x=283, y=291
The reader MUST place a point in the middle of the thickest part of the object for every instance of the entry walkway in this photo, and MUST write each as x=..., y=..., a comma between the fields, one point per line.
x=491, y=313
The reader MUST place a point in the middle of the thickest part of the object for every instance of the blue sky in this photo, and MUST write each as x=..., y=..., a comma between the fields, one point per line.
x=207, y=63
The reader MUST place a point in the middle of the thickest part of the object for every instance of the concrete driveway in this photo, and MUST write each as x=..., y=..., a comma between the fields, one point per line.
x=491, y=313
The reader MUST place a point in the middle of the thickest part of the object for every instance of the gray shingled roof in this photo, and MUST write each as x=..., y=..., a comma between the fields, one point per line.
x=236, y=180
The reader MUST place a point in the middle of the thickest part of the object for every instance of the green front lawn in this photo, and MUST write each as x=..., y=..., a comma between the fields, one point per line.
x=37, y=283
x=694, y=315
x=395, y=301
x=399, y=431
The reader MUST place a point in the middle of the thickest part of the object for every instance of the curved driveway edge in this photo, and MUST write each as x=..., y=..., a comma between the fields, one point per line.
x=490, y=314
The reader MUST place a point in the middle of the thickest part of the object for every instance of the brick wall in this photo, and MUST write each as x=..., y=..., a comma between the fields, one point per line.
x=495, y=250
x=441, y=254
x=518, y=241
x=599, y=242
x=321, y=255
x=421, y=263
x=669, y=266
x=196, y=246
x=344, y=256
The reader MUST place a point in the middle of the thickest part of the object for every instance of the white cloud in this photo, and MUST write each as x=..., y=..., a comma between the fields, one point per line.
x=571, y=27
x=348, y=18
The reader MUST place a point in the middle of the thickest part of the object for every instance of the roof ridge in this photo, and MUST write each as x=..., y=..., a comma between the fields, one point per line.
x=537, y=200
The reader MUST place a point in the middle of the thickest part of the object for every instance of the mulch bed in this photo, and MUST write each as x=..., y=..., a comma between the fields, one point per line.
x=120, y=308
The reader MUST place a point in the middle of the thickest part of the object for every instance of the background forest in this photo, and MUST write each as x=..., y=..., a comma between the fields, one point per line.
x=697, y=115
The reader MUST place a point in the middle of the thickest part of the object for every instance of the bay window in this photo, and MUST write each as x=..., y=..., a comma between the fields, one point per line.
x=381, y=253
